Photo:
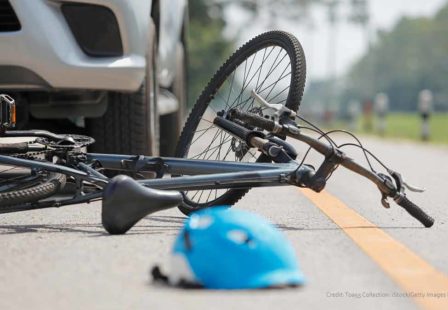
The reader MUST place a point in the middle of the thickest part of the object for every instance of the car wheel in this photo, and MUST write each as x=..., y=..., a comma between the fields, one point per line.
x=130, y=124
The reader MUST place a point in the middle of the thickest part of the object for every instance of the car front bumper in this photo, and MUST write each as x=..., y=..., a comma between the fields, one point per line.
x=44, y=54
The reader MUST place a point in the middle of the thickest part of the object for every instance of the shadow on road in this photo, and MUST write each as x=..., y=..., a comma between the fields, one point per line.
x=167, y=219
x=96, y=230
x=148, y=225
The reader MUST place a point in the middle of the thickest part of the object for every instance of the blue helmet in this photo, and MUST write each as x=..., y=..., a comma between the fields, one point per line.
x=220, y=248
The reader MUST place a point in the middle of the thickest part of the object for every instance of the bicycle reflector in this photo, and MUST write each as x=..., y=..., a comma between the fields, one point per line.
x=7, y=112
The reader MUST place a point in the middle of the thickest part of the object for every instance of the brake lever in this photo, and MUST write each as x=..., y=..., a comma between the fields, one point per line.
x=400, y=186
x=387, y=181
x=384, y=201
x=279, y=108
x=401, y=183
x=413, y=188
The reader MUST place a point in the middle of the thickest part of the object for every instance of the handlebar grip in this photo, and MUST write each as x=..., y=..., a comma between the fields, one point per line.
x=235, y=129
x=10, y=148
x=415, y=211
x=253, y=119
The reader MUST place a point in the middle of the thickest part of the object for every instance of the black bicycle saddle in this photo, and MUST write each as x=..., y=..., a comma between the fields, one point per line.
x=125, y=202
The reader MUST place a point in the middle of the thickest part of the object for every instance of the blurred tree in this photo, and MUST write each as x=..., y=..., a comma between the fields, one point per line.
x=271, y=12
x=207, y=46
x=411, y=57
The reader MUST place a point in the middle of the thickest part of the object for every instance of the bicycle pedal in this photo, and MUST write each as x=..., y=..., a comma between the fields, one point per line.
x=7, y=112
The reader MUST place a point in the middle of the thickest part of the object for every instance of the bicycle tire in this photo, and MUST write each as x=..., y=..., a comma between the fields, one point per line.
x=293, y=49
x=50, y=184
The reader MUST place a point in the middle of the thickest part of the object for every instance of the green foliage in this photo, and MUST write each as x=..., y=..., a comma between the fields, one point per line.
x=408, y=126
x=411, y=57
x=207, y=47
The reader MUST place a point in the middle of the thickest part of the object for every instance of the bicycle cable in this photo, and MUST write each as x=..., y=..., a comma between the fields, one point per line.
x=359, y=144
x=326, y=135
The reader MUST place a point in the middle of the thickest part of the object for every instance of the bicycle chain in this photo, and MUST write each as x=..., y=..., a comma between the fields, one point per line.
x=31, y=155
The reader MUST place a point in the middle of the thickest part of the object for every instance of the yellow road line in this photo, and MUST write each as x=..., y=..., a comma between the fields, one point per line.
x=414, y=275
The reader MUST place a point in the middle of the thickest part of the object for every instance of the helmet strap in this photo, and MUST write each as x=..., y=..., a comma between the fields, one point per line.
x=159, y=277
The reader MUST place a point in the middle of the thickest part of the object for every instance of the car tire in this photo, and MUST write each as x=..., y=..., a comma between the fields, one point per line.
x=130, y=124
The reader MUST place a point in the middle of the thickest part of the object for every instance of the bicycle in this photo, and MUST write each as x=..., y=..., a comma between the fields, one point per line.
x=233, y=140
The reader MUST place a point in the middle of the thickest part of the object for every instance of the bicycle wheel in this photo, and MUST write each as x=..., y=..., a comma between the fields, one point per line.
x=272, y=64
x=20, y=185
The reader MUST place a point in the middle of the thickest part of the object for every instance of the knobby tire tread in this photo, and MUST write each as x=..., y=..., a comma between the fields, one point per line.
x=55, y=182
x=298, y=76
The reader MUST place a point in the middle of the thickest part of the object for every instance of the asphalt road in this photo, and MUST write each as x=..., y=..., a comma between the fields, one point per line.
x=62, y=258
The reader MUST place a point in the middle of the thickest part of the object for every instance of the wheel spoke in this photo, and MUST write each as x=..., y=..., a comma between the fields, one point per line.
x=220, y=142
x=268, y=70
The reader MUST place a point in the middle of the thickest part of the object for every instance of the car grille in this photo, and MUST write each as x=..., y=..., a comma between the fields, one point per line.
x=8, y=18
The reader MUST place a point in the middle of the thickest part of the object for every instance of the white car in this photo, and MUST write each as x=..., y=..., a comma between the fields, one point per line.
x=114, y=67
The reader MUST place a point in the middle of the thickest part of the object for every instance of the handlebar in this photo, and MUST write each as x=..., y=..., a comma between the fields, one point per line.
x=385, y=185
x=254, y=120
x=414, y=210
x=11, y=148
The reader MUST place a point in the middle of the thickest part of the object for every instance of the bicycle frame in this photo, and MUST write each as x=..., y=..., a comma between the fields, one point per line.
x=209, y=175
x=201, y=174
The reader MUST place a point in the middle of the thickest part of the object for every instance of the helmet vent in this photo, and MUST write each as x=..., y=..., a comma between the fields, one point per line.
x=187, y=241
x=202, y=222
x=240, y=237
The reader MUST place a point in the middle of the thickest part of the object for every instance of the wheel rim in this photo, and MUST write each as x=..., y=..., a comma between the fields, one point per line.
x=180, y=87
x=268, y=71
x=152, y=95
x=14, y=178
x=20, y=185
